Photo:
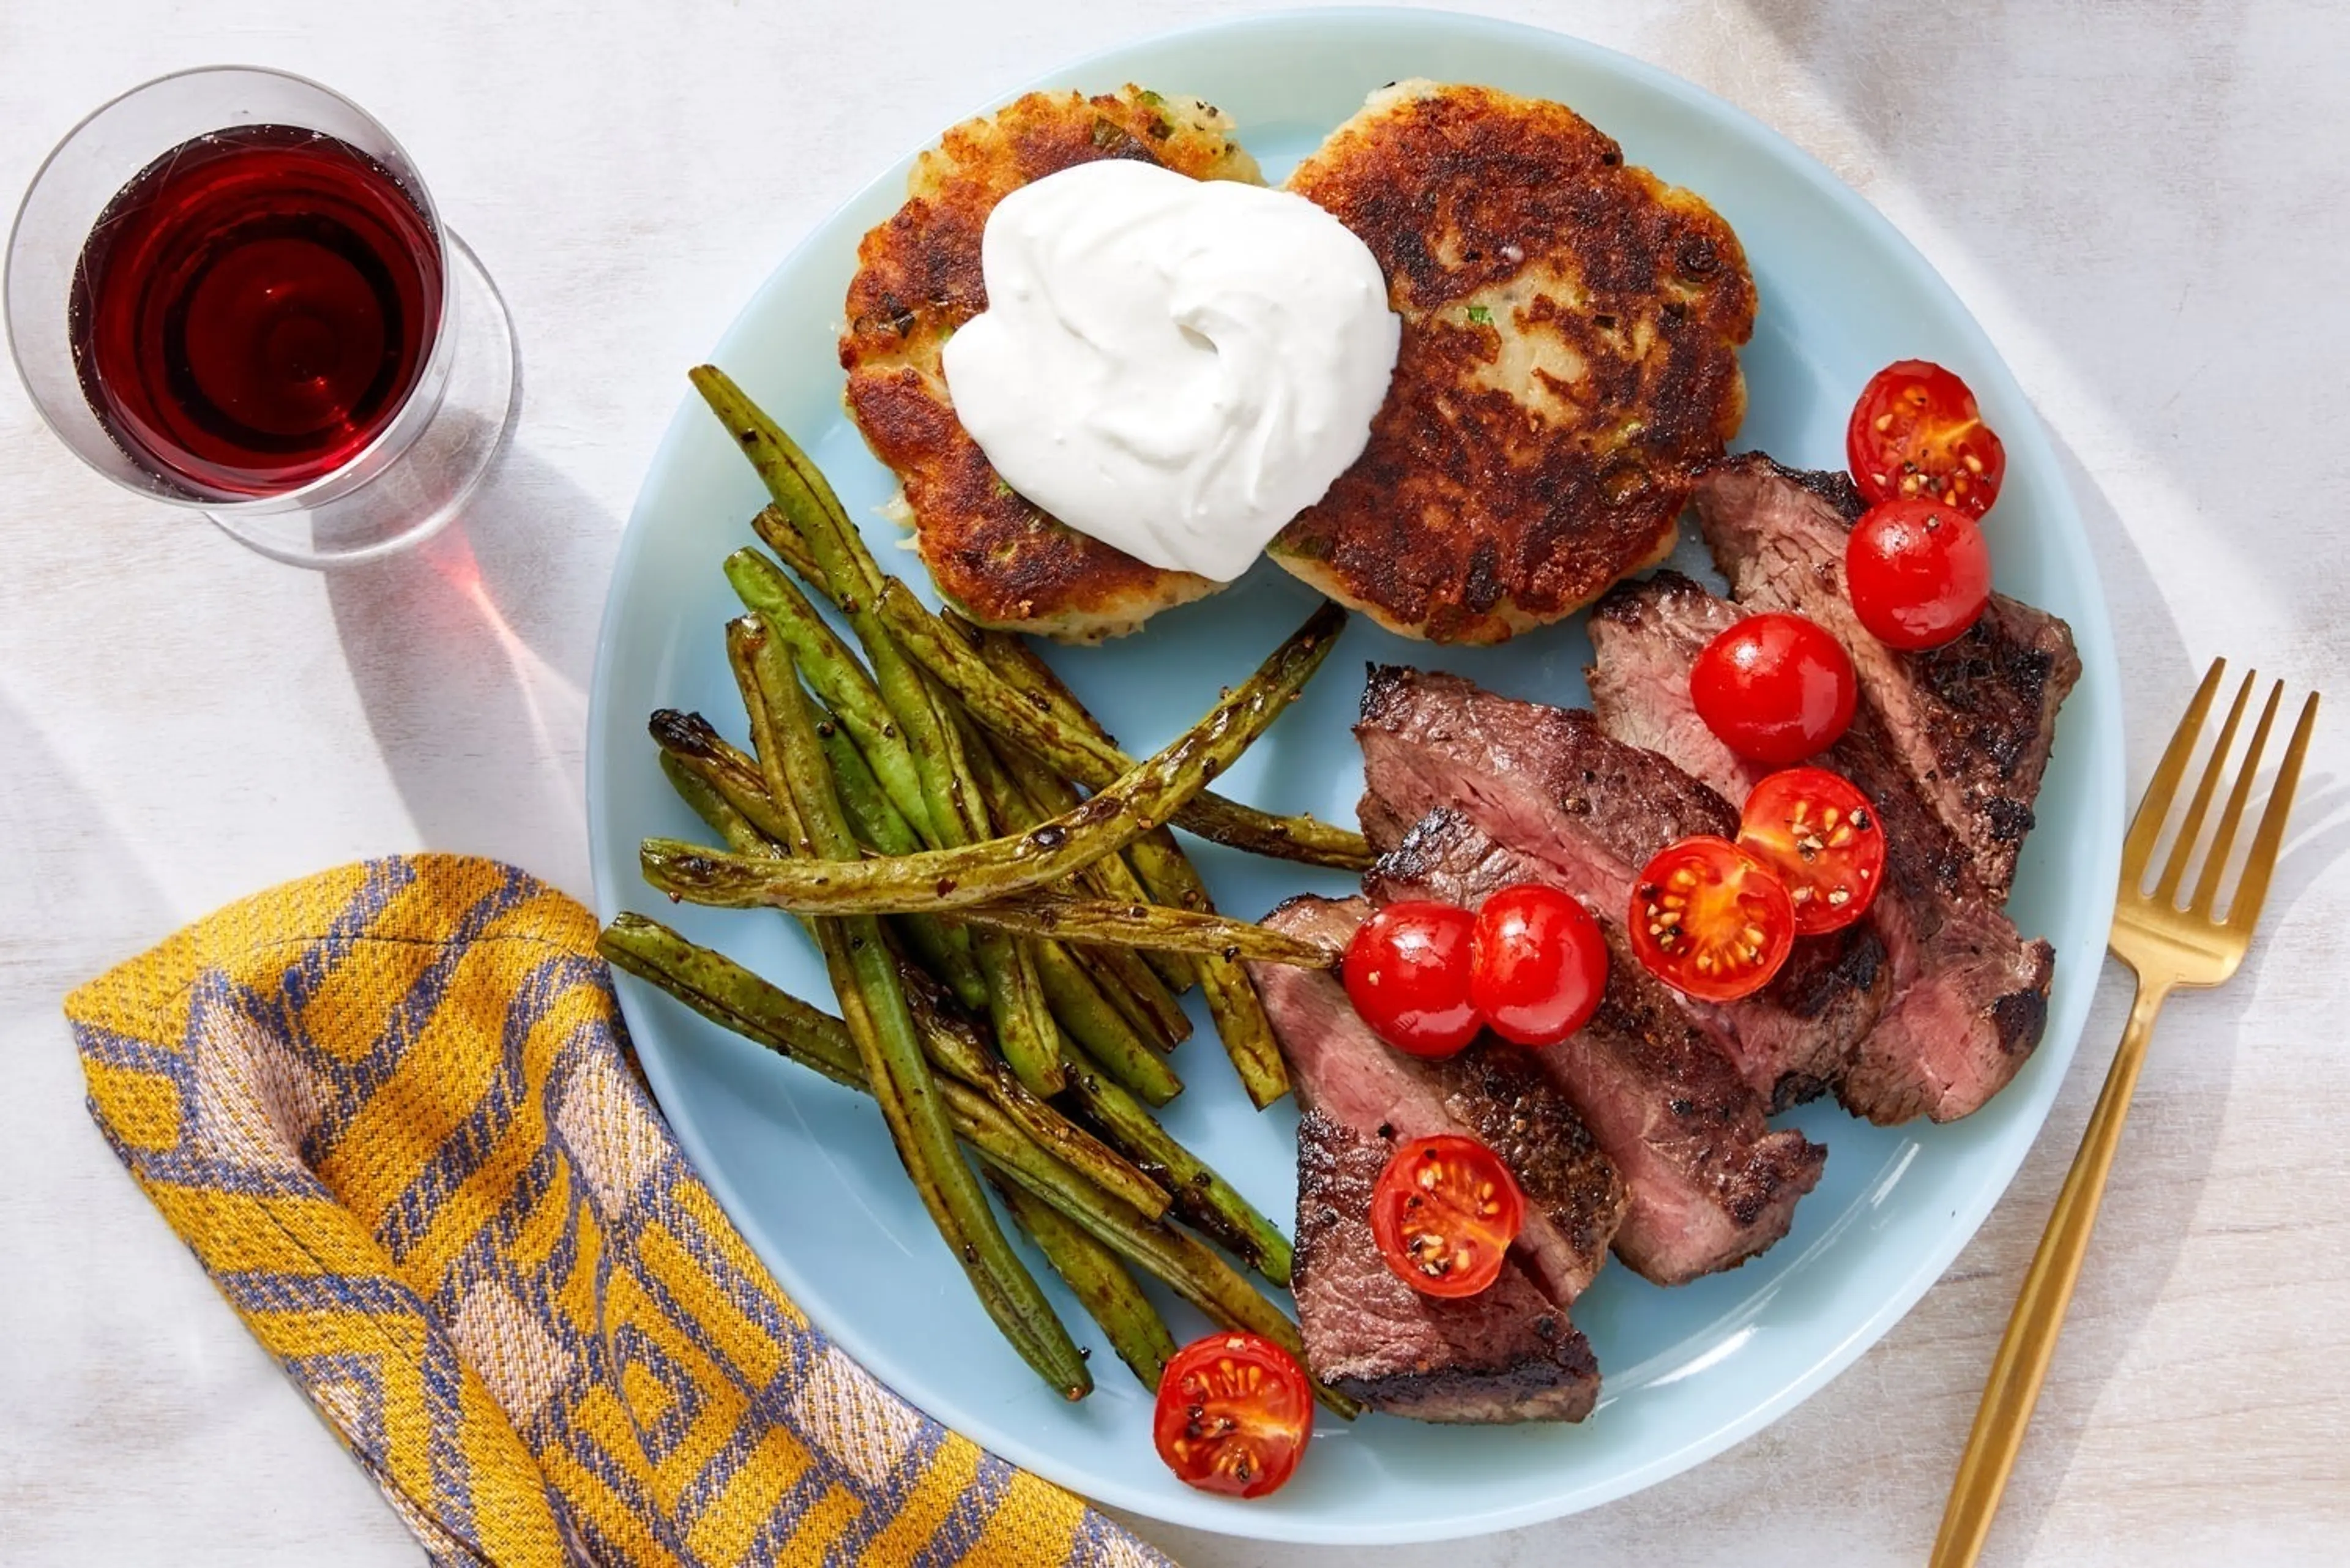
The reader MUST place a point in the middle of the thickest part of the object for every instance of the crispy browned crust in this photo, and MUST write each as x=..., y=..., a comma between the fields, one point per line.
x=999, y=557
x=1524, y=461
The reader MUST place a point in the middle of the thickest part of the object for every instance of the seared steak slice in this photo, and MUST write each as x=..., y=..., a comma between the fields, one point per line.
x=1786, y=1043
x=1584, y=813
x=1506, y=1354
x=1540, y=779
x=1647, y=636
x=1971, y=721
x=1969, y=995
x=1712, y=1185
x=1492, y=1092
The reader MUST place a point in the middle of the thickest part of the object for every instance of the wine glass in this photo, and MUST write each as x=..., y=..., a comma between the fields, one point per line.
x=229, y=290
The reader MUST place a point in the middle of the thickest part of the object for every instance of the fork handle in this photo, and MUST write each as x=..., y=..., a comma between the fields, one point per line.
x=2030, y=1343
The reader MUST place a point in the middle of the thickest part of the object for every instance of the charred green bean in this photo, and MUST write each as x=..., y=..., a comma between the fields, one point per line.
x=1146, y=926
x=873, y=1005
x=1114, y=817
x=834, y=673
x=1079, y=751
x=1099, y=1281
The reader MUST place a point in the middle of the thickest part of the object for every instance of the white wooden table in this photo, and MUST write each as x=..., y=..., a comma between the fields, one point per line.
x=2149, y=207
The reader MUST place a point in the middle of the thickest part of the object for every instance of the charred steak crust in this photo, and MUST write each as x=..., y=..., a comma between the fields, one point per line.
x=1649, y=801
x=1973, y=721
x=1507, y=1353
x=1972, y=993
x=1581, y=810
x=1997, y=688
x=1969, y=996
x=1839, y=983
x=1646, y=636
x=1501, y=1096
x=1711, y=1184
x=1490, y=1090
x=1761, y=1171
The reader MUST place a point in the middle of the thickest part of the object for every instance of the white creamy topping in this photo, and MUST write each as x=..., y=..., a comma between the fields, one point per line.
x=1175, y=367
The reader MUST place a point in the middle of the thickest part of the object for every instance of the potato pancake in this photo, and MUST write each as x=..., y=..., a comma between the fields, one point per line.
x=1569, y=363
x=998, y=558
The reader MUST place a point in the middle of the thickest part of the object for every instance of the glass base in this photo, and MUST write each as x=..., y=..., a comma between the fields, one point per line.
x=421, y=491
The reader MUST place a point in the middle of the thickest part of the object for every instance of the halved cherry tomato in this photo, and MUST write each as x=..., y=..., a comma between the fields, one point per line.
x=1775, y=687
x=1235, y=1411
x=1917, y=571
x=1444, y=1212
x=1710, y=918
x=1823, y=839
x=1407, y=972
x=1539, y=964
x=1916, y=434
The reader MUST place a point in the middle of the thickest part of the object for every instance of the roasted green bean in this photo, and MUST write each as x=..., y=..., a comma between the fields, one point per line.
x=1099, y=1281
x=688, y=740
x=833, y=672
x=1075, y=986
x=1112, y=818
x=1136, y=989
x=1146, y=926
x=1098, y=1031
x=1203, y=1196
x=1015, y=1003
x=1108, y=877
x=1187, y=1266
x=873, y=1005
x=1078, y=751
x=716, y=987
x=944, y=949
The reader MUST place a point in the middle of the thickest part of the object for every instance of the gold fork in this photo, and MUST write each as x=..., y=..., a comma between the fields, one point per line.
x=2168, y=945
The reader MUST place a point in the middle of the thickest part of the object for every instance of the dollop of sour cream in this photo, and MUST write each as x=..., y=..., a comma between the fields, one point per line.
x=1176, y=366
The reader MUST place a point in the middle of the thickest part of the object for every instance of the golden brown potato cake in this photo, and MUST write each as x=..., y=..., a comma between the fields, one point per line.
x=996, y=555
x=1569, y=363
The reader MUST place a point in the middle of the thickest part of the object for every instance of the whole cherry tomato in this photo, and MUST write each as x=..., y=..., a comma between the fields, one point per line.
x=1775, y=687
x=1444, y=1212
x=1919, y=573
x=1407, y=972
x=1235, y=1411
x=1539, y=964
x=1916, y=434
x=1822, y=838
x=1712, y=919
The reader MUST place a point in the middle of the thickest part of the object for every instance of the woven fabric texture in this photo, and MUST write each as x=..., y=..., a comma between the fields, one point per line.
x=392, y=1110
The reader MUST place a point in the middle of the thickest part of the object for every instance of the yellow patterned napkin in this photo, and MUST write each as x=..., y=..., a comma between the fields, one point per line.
x=392, y=1110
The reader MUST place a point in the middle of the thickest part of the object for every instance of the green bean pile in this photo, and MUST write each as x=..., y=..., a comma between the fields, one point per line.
x=1003, y=913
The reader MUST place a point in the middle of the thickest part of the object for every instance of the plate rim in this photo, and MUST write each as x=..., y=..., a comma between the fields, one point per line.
x=2104, y=787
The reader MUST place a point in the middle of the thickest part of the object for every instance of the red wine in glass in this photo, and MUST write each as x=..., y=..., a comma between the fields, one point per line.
x=252, y=308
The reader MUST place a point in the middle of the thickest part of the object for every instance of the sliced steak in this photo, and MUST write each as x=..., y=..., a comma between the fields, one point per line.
x=1711, y=1184
x=1584, y=813
x=1506, y=1354
x=1971, y=722
x=1540, y=779
x=1492, y=1092
x=1646, y=637
x=1969, y=995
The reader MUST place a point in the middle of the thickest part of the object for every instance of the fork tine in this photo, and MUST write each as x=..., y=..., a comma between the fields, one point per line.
x=2245, y=909
x=2146, y=827
x=2223, y=842
x=2182, y=849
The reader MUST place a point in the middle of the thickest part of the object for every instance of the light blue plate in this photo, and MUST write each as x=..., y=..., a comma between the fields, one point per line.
x=803, y=1167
